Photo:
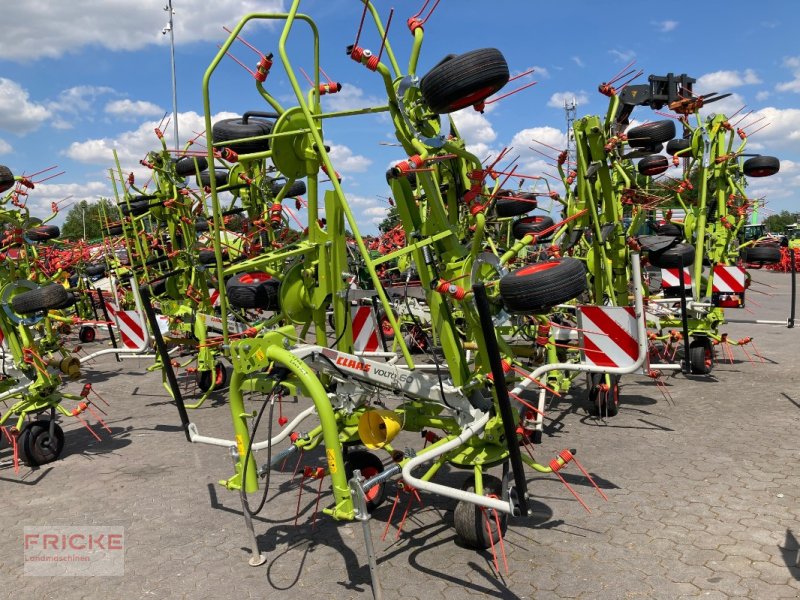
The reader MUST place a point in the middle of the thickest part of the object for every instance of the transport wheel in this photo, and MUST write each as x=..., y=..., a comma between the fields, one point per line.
x=239, y=128
x=38, y=446
x=203, y=378
x=42, y=233
x=43, y=298
x=650, y=134
x=87, y=334
x=253, y=290
x=538, y=287
x=298, y=188
x=369, y=465
x=463, y=80
x=761, y=166
x=185, y=165
x=678, y=145
x=604, y=395
x=471, y=521
x=521, y=204
x=653, y=165
x=220, y=178
x=766, y=255
x=529, y=225
x=670, y=258
x=701, y=356
x=6, y=179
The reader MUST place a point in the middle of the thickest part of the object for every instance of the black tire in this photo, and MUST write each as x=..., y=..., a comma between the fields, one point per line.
x=538, y=287
x=650, y=134
x=369, y=465
x=298, y=188
x=471, y=521
x=43, y=298
x=765, y=255
x=6, y=179
x=115, y=229
x=235, y=129
x=253, y=290
x=604, y=403
x=701, y=356
x=42, y=233
x=201, y=225
x=96, y=269
x=71, y=300
x=135, y=208
x=532, y=225
x=670, y=258
x=653, y=165
x=204, y=378
x=464, y=80
x=761, y=166
x=87, y=334
x=521, y=204
x=37, y=446
x=678, y=145
x=386, y=326
x=416, y=339
x=189, y=165
x=206, y=256
x=157, y=288
x=668, y=229
x=220, y=177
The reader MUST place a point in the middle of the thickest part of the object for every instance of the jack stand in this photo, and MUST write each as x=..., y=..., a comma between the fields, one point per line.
x=257, y=558
x=360, y=502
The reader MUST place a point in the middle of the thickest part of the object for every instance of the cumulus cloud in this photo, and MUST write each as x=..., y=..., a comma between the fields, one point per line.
x=351, y=97
x=133, y=108
x=665, y=26
x=577, y=60
x=50, y=29
x=5, y=147
x=558, y=99
x=762, y=95
x=719, y=81
x=623, y=55
x=44, y=194
x=793, y=64
x=18, y=114
x=345, y=161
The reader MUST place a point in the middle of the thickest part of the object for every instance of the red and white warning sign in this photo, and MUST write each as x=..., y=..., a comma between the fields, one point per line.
x=671, y=278
x=608, y=335
x=365, y=329
x=213, y=296
x=728, y=280
x=130, y=325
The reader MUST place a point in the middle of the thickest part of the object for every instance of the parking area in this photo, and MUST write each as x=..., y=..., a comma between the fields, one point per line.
x=702, y=482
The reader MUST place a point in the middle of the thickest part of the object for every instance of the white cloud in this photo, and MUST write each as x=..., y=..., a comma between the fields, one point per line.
x=473, y=127
x=79, y=99
x=720, y=81
x=793, y=64
x=17, y=113
x=345, y=161
x=132, y=146
x=726, y=106
x=623, y=55
x=43, y=28
x=762, y=95
x=44, y=194
x=558, y=99
x=665, y=26
x=782, y=135
x=351, y=97
x=133, y=108
x=5, y=147
x=577, y=60
x=538, y=72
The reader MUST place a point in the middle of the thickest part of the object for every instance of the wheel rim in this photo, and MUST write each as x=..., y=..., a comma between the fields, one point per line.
x=536, y=268
x=472, y=98
x=373, y=492
x=386, y=326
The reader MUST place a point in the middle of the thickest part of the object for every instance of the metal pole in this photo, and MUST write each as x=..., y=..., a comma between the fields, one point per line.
x=794, y=288
x=687, y=365
x=171, y=30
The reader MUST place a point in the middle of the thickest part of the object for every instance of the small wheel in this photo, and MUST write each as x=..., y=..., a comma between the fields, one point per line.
x=6, y=179
x=464, y=80
x=471, y=520
x=604, y=395
x=650, y=134
x=761, y=166
x=42, y=233
x=220, y=378
x=416, y=339
x=537, y=287
x=189, y=165
x=87, y=334
x=386, y=326
x=253, y=290
x=653, y=165
x=670, y=258
x=701, y=356
x=37, y=446
x=369, y=465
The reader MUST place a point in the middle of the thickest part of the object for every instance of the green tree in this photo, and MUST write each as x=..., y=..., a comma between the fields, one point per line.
x=392, y=219
x=777, y=223
x=85, y=217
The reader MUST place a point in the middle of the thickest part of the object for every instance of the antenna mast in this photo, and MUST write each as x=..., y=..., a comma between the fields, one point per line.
x=168, y=28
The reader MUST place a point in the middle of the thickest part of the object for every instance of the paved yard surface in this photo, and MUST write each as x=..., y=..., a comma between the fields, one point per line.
x=703, y=487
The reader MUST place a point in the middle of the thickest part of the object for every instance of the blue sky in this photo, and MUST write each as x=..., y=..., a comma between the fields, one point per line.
x=78, y=79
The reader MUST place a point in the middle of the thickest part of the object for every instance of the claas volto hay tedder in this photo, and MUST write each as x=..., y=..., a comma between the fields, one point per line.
x=367, y=398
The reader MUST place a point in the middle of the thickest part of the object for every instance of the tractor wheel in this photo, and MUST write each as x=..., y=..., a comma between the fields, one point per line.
x=765, y=255
x=653, y=165
x=701, y=356
x=87, y=334
x=473, y=523
x=115, y=229
x=679, y=145
x=200, y=225
x=761, y=166
x=521, y=204
x=538, y=287
x=204, y=378
x=668, y=229
x=42, y=233
x=531, y=225
x=220, y=178
x=43, y=298
x=298, y=188
x=253, y=290
x=240, y=128
x=650, y=134
x=671, y=257
x=37, y=446
x=463, y=80
x=71, y=300
x=6, y=179
x=604, y=403
x=189, y=165
x=369, y=465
